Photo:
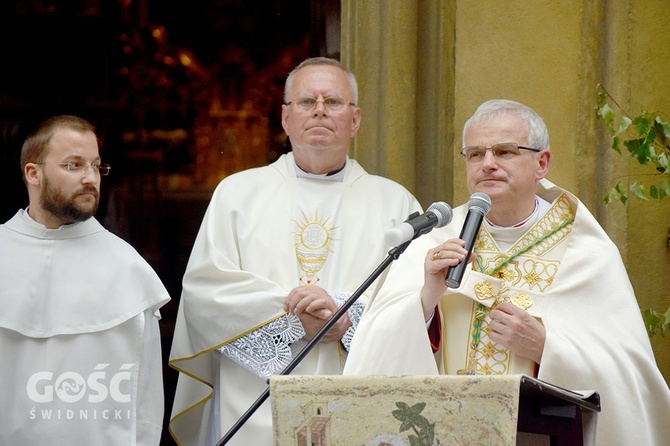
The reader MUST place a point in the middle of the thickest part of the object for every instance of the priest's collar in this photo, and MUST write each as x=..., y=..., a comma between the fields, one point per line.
x=507, y=236
x=335, y=176
x=541, y=206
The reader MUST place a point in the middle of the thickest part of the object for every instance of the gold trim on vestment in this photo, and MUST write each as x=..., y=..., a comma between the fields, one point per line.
x=313, y=240
x=521, y=267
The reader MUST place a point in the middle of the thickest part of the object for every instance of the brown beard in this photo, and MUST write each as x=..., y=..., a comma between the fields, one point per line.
x=65, y=208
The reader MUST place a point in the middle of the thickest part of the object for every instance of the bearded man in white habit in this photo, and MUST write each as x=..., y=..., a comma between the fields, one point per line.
x=79, y=334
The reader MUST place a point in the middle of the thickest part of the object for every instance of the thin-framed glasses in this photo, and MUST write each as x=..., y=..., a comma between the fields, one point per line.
x=332, y=103
x=75, y=167
x=503, y=151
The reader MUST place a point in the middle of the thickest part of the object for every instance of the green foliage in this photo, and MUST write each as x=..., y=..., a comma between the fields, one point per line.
x=411, y=418
x=656, y=323
x=647, y=139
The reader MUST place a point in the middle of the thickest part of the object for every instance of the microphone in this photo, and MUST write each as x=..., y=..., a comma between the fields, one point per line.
x=437, y=215
x=479, y=205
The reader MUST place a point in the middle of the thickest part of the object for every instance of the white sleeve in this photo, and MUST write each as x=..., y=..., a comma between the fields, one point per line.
x=150, y=404
x=267, y=350
x=355, y=313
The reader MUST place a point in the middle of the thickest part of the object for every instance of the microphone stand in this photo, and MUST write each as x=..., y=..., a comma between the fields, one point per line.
x=393, y=254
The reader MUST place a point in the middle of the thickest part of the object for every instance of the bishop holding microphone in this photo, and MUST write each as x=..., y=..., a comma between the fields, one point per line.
x=531, y=286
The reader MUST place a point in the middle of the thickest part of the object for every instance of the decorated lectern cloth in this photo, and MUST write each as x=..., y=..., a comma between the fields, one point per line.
x=79, y=336
x=568, y=274
x=266, y=231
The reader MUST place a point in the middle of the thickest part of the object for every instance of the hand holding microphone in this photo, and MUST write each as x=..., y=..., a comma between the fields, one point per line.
x=479, y=205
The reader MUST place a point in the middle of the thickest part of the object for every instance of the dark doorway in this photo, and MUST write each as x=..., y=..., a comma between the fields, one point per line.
x=182, y=94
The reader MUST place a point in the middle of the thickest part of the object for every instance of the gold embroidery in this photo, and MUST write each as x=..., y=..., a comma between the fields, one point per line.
x=484, y=290
x=484, y=241
x=488, y=351
x=561, y=210
x=538, y=273
x=312, y=245
x=531, y=278
x=509, y=273
x=522, y=300
x=522, y=266
x=487, y=359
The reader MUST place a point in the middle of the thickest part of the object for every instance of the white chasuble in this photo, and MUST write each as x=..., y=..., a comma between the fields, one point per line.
x=573, y=281
x=266, y=232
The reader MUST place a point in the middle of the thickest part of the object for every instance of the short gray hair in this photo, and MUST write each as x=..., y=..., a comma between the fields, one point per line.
x=321, y=61
x=538, y=135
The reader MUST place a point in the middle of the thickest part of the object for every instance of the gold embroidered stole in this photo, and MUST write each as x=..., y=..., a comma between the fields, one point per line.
x=528, y=265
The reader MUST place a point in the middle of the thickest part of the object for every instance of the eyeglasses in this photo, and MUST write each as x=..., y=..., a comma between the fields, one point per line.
x=332, y=103
x=75, y=167
x=504, y=151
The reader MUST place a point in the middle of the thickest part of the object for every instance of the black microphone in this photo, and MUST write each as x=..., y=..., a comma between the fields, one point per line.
x=437, y=215
x=479, y=205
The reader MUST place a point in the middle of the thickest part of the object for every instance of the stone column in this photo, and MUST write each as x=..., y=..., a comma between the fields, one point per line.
x=399, y=50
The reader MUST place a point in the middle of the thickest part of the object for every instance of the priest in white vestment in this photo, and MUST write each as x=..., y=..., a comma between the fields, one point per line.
x=546, y=294
x=280, y=249
x=79, y=335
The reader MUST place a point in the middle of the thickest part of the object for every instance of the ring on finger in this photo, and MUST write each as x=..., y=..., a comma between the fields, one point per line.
x=437, y=255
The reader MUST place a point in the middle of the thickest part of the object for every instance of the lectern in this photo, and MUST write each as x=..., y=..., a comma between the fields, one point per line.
x=429, y=410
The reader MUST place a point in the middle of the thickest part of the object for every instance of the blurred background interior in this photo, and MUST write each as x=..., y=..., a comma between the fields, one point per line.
x=183, y=93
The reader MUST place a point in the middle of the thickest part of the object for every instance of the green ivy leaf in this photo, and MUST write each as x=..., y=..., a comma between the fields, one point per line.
x=411, y=418
x=418, y=408
x=604, y=110
x=647, y=139
x=634, y=146
x=623, y=126
x=616, y=143
x=427, y=435
x=656, y=323
x=642, y=123
x=639, y=191
x=651, y=320
x=422, y=422
x=616, y=193
x=404, y=415
x=640, y=148
x=648, y=144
